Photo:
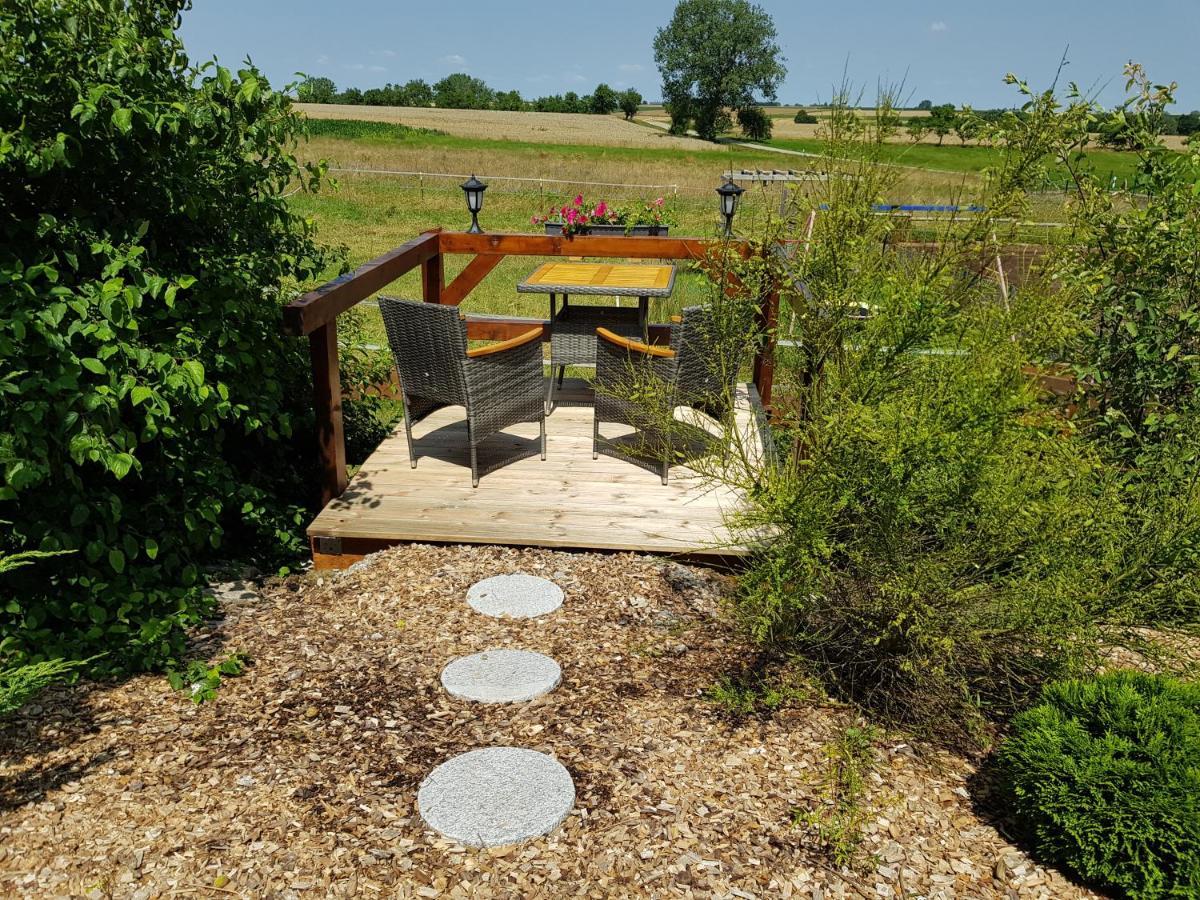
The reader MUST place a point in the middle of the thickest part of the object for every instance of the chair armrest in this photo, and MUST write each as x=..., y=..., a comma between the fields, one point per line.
x=634, y=346
x=533, y=334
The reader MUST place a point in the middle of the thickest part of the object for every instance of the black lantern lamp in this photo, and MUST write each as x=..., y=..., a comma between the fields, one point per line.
x=474, y=189
x=730, y=194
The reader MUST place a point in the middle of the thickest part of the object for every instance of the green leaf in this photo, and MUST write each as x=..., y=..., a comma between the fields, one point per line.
x=122, y=119
x=116, y=559
x=151, y=548
x=140, y=394
x=195, y=372
x=93, y=365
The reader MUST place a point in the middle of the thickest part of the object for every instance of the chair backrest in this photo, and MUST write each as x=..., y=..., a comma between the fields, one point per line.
x=429, y=345
x=702, y=371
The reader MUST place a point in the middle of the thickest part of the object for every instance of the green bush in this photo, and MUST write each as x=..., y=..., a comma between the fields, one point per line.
x=1104, y=774
x=804, y=117
x=755, y=124
x=358, y=130
x=152, y=415
x=944, y=537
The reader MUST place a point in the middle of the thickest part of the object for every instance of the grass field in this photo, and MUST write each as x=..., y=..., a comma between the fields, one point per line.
x=371, y=212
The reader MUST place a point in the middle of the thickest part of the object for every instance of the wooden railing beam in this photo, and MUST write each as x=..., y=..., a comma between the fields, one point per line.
x=617, y=246
x=321, y=306
x=327, y=403
x=468, y=279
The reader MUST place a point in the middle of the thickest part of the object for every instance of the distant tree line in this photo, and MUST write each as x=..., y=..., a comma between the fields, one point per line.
x=463, y=91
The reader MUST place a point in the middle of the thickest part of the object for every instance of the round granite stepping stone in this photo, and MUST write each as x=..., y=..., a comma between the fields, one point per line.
x=518, y=596
x=496, y=796
x=501, y=676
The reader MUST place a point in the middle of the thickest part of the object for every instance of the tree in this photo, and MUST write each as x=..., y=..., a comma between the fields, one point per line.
x=604, y=100
x=350, y=96
x=755, y=123
x=718, y=54
x=461, y=91
x=942, y=120
x=925, y=105
x=680, y=112
x=630, y=100
x=966, y=125
x=316, y=90
x=510, y=101
x=152, y=414
x=918, y=128
x=804, y=117
x=572, y=103
x=416, y=93
x=1189, y=123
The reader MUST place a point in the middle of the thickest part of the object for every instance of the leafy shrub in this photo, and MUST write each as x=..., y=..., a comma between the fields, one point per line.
x=202, y=681
x=151, y=412
x=943, y=537
x=836, y=823
x=1104, y=774
x=804, y=117
x=19, y=684
x=755, y=123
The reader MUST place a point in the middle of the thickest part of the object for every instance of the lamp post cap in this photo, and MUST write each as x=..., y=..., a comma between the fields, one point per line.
x=473, y=184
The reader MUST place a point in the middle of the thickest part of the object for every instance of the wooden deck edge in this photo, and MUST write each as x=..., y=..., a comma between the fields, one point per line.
x=352, y=550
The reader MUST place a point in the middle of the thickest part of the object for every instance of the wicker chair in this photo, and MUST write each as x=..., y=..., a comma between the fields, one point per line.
x=499, y=385
x=641, y=385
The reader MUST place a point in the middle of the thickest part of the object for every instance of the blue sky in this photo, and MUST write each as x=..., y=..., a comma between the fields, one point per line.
x=947, y=51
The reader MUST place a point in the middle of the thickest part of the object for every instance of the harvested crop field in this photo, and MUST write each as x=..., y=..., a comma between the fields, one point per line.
x=494, y=125
x=300, y=778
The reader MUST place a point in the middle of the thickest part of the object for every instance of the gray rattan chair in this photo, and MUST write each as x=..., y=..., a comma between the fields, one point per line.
x=640, y=386
x=499, y=385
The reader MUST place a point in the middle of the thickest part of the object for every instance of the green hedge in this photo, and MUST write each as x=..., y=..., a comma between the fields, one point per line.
x=1105, y=776
x=152, y=415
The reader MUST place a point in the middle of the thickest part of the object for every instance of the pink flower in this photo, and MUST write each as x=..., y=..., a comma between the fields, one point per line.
x=658, y=202
x=601, y=209
x=571, y=216
x=579, y=199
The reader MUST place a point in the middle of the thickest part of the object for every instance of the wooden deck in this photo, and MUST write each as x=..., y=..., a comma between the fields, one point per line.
x=567, y=501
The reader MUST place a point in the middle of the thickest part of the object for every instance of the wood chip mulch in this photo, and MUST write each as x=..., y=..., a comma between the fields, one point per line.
x=300, y=779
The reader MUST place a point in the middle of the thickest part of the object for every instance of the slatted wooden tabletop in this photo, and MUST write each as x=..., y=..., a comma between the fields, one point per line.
x=569, y=500
x=613, y=279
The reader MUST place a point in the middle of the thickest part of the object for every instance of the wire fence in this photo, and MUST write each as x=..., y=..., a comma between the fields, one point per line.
x=523, y=184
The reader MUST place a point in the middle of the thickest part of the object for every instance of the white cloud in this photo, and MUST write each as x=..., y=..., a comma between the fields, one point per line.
x=939, y=27
x=578, y=79
x=631, y=67
x=390, y=54
x=377, y=68
x=323, y=60
x=455, y=60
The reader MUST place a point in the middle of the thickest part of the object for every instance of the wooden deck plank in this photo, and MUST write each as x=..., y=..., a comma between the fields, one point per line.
x=568, y=500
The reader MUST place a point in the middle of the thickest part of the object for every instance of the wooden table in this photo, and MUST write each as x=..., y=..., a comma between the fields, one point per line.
x=573, y=328
x=601, y=279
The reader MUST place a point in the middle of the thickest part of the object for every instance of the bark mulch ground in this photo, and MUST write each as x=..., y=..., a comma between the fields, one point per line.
x=300, y=779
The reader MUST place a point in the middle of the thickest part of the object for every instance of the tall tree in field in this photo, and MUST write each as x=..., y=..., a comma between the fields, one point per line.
x=604, y=100
x=461, y=91
x=942, y=120
x=316, y=90
x=630, y=100
x=716, y=55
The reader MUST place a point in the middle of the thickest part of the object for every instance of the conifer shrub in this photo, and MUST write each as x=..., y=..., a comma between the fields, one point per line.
x=1104, y=776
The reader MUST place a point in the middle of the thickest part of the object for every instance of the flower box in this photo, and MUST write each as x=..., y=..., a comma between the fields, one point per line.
x=556, y=228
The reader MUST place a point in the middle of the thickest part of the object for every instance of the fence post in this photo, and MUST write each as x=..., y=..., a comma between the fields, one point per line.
x=764, y=359
x=432, y=279
x=327, y=403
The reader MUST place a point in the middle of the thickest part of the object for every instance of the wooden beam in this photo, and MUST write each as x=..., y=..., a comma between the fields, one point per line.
x=764, y=360
x=433, y=279
x=321, y=306
x=617, y=246
x=327, y=402
x=468, y=279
